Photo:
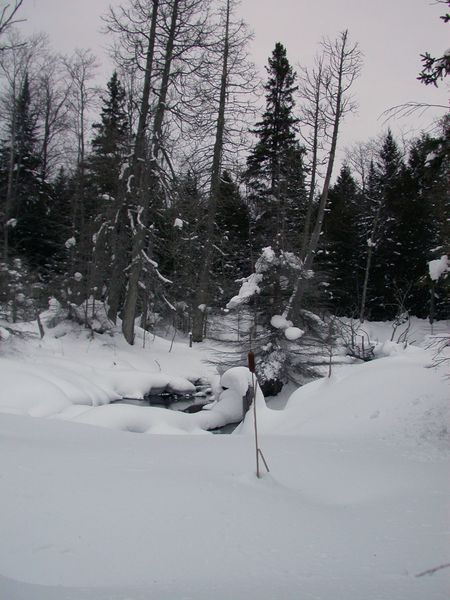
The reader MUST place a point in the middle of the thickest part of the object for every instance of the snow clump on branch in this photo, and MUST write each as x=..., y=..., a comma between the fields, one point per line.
x=439, y=267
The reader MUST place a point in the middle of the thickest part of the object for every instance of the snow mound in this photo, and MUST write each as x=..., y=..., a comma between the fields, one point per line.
x=293, y=333
x=140, y=419
x=438, y=267
x=399, y=399
x=280, y=322
x=72, y=367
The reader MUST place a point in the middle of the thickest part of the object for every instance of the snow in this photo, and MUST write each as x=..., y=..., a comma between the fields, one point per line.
x=129, y=180
x=280, y=322
x=4, y=334
x=293, y=333
x=71, y=366
x=395, y=400
x=178, y=223
x=267, y=257
x=439, y=267
x=249, y=287
x=355, y=504
x=267, y=260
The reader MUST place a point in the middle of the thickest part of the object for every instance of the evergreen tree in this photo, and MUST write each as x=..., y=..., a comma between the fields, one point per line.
x=179, y=250
x=340, y=257
x=26, y=197
x=97, y=181
x=111, y=140
x=428, y=175
x=232, y=225
x=386, y=287
x=274, y=167
x=416, y=228
x=60, y=215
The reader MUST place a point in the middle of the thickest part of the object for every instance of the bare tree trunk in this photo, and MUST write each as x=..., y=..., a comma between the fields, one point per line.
x=343, y=68
x=168, y=57
x=139, y=176
x=316, y=80
x=370, y=246
x=151, y=182
x=204, y=278
x=365, y=284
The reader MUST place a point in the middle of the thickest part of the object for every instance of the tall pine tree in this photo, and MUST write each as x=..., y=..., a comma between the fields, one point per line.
x=340, y=256
x=110, y=143
x=275, y=167
x=26, y=198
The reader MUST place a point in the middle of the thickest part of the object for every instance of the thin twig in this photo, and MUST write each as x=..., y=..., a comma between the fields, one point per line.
x=433, y=571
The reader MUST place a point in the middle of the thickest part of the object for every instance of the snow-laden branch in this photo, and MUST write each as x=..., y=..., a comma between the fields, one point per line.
x=155, y=267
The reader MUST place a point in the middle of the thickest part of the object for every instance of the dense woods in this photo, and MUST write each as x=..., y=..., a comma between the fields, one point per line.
x=164, y=197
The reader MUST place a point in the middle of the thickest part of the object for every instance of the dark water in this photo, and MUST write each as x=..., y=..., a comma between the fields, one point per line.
x=188, y=403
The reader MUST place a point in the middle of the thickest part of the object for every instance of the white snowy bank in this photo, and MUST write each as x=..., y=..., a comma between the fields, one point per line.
x=355, y=505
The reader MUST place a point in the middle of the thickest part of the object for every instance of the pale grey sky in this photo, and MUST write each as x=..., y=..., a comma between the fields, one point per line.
x=391, y=34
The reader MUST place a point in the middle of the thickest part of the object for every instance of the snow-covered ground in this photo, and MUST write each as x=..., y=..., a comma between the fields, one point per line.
x=355, y=505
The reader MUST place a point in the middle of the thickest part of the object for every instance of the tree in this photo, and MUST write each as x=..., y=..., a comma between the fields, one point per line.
x=26, y=227
x=416, y=230
x=8, y=19
x=110, y=147
x=371, y=212
x=53, y=89
x=340, y=256
x=343, y=65
x=233, y=71
x=156, y=39
x=435, y=69
x=81, y=68
x=232, y=257
x=389, y=170
x=275, y=165
x=111, y=140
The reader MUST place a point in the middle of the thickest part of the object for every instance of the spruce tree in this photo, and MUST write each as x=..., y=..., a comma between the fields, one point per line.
x=387, y=288
x=179, y=248
x=233, y=249
x=26, y=197
x=340, y=256
x=111, y=140
x=274, y=167
x=101, y=184
x=277, y=198
x=416, y=228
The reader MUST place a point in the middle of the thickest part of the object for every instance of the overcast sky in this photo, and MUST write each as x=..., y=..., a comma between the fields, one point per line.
x=391, y=33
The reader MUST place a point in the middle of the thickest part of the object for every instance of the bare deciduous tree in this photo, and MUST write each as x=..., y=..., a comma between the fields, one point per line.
x=342, y=60
x=7, y=20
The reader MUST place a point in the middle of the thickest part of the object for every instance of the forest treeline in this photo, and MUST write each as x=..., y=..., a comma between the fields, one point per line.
x=165, y=194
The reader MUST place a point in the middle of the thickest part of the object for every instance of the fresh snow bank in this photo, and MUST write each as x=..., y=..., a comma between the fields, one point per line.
x=400, y=399
x=355, y=505
x=92, y=514
x=71, y=375
x=70, y=366
x=148, y=419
